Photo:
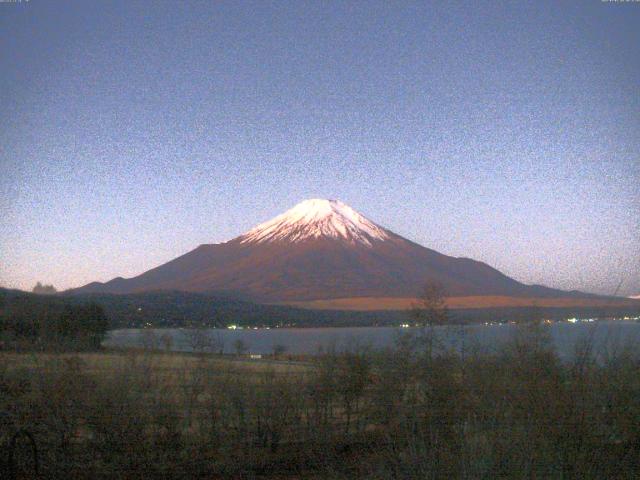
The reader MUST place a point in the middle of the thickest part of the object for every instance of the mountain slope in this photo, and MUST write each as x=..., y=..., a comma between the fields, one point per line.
x=320, y=249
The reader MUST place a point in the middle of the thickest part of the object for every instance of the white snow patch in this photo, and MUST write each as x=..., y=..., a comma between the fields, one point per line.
x=317, y=218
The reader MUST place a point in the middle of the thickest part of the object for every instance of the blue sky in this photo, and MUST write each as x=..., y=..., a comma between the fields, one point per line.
x=131, y=132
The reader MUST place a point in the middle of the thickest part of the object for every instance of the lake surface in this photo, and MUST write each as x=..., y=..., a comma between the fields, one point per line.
x=607, y=337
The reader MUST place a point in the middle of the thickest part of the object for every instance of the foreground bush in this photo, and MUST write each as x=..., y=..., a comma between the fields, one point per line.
x=417, y=411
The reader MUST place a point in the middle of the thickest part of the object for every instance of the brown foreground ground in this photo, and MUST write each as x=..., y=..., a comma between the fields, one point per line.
x=494, y=301
x=416, y=411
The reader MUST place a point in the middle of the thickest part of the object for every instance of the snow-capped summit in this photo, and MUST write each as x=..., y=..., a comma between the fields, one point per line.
x=316, y=218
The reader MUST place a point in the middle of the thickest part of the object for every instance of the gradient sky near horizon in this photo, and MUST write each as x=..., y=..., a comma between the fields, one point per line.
x=508, y=132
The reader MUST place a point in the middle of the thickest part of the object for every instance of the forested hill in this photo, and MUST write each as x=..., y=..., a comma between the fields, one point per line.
x=181, y=309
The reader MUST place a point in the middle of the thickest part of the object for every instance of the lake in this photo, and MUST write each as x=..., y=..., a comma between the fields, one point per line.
x=607, y=336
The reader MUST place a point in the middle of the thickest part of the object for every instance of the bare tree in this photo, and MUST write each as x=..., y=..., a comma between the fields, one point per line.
x=167, y=341
x=279, y=350
x=430, y=311
x=353, y=376
x=431, y=308
x=240, y=347
x=149, y=340
x=203, y=340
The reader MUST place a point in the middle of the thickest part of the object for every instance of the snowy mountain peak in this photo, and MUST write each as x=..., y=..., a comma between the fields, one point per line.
x=316, y=218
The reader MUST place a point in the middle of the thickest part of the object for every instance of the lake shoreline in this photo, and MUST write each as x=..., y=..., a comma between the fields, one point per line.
x=312, y=340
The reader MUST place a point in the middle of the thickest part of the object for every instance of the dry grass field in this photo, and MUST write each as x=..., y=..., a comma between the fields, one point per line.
x=414, y=411
x=491, y=301
x=163, y=363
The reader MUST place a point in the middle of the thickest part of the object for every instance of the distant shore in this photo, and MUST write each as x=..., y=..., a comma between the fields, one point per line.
x=466, y=302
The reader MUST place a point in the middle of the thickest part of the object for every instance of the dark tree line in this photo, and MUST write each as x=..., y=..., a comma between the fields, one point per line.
x=29, y=321
x=41, y=289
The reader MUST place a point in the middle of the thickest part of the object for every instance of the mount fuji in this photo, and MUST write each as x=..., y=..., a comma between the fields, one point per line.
x=321, y=250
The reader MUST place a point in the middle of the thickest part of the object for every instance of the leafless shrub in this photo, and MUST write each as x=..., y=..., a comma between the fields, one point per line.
x=203, y=340
x=403, y=413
